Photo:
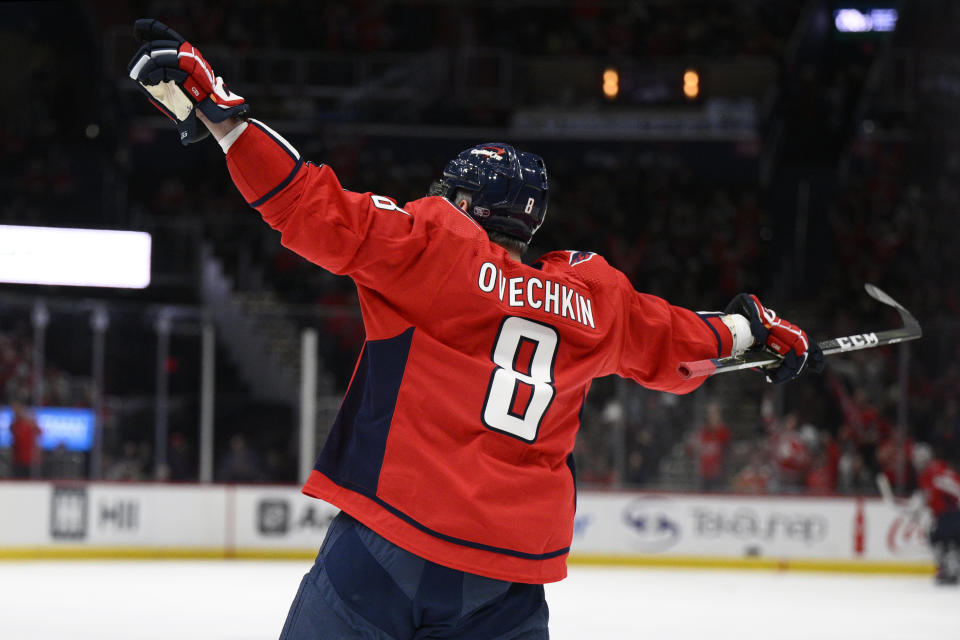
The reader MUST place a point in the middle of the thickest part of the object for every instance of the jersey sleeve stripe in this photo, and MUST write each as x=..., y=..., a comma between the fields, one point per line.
x=261, y=164
x=259, y=201
x=712, y=320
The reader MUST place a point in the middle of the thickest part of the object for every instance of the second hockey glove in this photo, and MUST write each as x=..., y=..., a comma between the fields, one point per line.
x=782, y=338
x=176, y=79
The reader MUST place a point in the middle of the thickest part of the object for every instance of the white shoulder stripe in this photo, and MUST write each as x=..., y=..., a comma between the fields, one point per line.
x=279, y=137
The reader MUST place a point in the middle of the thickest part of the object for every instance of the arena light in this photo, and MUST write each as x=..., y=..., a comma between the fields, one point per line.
x=691, y=84
x=611, y=83
x=74, y=257
x=877, y=20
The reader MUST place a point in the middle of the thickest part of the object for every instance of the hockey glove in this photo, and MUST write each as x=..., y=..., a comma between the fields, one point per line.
x=176, y=78
x=780, y=337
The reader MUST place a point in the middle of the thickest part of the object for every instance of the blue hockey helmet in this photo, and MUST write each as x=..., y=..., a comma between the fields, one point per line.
x=508, y=188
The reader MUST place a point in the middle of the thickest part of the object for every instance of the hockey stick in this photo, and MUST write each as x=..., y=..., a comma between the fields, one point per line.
x=912, y=507
x=753, y=359
x=886, y=491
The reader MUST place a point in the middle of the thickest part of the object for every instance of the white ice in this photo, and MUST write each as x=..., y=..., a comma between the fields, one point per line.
x=247, y=600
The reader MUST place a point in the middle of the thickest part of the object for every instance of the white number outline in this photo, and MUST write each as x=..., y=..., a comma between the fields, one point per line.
x=529, y=207
x=497, y=414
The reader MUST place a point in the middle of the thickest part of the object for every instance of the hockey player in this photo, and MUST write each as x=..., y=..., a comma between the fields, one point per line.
x=939, y=487
x=451, y=457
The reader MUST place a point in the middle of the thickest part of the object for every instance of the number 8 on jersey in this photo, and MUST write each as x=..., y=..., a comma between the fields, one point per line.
x=521, y=386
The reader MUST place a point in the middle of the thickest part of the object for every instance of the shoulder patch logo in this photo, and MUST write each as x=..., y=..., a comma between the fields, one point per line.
x=576, y=257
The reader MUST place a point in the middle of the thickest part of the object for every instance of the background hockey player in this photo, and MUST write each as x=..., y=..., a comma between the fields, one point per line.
x=939, y=487
x=451, y=457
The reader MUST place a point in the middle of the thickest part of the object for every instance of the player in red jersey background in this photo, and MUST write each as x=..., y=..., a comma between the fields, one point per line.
x=709, y=445
x=451, y=456
x=939, y=486
x=25, y=434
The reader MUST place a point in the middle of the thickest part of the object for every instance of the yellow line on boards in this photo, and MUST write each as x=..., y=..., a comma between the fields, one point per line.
x=151, y=553
x=108, y=553
x=582, y=559
x=778, y=564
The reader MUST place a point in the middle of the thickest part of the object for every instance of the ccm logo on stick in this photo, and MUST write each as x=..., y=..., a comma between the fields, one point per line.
x=858, y=342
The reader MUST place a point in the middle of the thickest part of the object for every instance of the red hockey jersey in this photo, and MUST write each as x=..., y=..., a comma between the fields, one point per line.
x=455, y=437
x=941, y=487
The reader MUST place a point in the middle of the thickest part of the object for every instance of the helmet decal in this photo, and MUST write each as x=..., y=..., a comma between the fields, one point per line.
x=494, y=153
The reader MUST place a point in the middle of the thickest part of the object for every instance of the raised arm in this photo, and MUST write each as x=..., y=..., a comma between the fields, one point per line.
x=362, y=235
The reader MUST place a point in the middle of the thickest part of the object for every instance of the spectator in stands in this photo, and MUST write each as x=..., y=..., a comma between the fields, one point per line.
x=708, y=445
x=62, y=463
x=853, y=475
x=790, y=453
x=642, y=455
x=893, y=458
x=241, y=463
x=130, y=465
x=864, y=425
x=8, y=362
x=181, y=459
x=14, y=367
x=946, y=426
x=25, y=433
x=636, y=472
x=821, y=477
x=755, y=476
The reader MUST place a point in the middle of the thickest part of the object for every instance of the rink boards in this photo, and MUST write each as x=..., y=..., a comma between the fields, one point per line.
x=98, y=520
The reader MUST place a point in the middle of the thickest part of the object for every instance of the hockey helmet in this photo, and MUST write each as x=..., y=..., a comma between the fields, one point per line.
x=921, y=455
x=508, y=188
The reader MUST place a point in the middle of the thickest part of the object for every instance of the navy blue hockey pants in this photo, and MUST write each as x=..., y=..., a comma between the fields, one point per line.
x=362, y=586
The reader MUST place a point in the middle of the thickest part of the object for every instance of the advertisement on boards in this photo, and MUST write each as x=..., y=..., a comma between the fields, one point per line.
x=281, y=517
x=837, y=528
x=232, y=519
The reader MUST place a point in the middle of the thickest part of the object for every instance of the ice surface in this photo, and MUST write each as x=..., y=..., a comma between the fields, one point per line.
x=241, y=600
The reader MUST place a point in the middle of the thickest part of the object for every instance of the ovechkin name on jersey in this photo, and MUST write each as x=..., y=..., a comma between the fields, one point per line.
x=536, y=293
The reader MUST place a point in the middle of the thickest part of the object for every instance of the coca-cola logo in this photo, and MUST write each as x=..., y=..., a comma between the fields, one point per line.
x=908, y=532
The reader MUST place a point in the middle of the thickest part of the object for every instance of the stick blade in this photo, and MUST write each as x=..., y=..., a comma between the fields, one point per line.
x=879, y=295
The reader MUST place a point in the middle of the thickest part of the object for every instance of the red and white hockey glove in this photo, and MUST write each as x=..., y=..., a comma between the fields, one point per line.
x=176, y=78
x=780, y=337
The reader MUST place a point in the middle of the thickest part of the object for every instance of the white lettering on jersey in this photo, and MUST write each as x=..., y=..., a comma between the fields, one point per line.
x=537, y=294
x=552, y=298
x=568, y=303
x=586, y=310
x=516, y=292
x=534, y=303
x=488, y=277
